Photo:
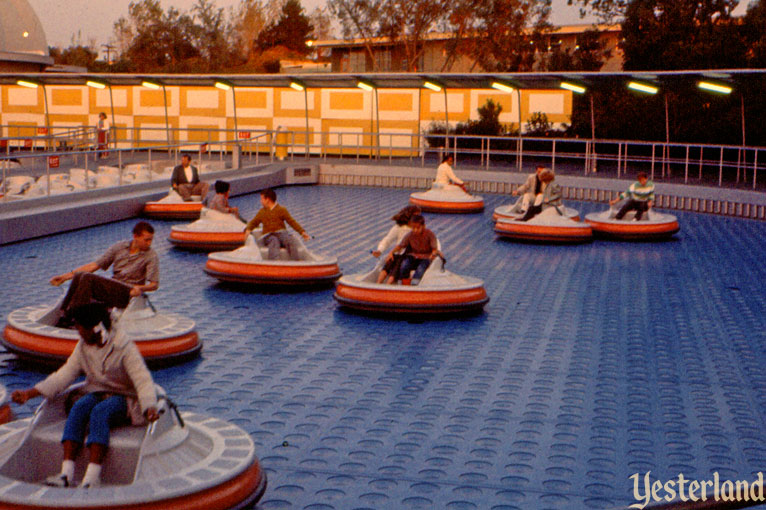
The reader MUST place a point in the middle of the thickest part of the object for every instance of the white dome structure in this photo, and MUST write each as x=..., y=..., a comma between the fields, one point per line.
x=23, y=46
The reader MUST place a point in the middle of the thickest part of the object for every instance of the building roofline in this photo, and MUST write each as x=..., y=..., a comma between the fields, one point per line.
x=443, y=36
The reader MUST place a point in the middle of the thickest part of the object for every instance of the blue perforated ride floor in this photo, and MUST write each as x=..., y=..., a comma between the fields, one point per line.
x=590, y=363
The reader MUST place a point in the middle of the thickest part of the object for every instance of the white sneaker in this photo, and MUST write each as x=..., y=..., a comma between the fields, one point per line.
x=58, y=480
x=90, y=485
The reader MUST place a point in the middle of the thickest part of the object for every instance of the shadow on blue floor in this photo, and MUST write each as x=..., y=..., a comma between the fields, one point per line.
x=591, y=362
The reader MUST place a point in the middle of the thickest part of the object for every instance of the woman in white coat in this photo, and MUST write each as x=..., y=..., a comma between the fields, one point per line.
x=445, y=176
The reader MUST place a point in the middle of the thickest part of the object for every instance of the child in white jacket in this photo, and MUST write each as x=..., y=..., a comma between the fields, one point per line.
x=393, y=238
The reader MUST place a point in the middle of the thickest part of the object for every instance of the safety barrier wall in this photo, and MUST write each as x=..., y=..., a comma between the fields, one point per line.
x=35, y=217
x=729, y=202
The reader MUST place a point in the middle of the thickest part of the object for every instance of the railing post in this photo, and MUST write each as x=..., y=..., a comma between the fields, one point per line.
x=653, y=147
x=553, y=156
x=739, y=159
x=686, y=166
x=489, y=150
x=422, y=143
x=702, y=149
x=720, y=170
x=48, y=173
x=755, y=167
x=619, y=158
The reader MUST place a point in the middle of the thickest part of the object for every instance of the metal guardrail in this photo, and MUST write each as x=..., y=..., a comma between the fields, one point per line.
x=721, y=165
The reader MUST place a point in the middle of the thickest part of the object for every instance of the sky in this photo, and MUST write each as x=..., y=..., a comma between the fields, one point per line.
x=83, y=21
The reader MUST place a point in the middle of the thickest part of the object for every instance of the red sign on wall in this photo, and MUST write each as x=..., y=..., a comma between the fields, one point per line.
x=244, y=134
x=203, y=148
x=28, y=143
x=42, y=131
x=53, y=161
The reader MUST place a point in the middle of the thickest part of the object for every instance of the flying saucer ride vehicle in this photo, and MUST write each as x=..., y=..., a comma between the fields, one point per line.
x=439, y=292
x=249, y=264
x=213, y=231
x=653, y=225
x=183, y=461
x=162, y=338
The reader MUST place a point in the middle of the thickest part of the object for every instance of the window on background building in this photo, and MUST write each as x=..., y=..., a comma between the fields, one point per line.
x=357, y=62
x=384, y=59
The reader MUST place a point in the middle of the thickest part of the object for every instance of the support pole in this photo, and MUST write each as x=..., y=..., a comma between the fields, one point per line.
x=306, y=108
x=446, y=122
x=111, y=106
x=167, y=122
x=47, y=123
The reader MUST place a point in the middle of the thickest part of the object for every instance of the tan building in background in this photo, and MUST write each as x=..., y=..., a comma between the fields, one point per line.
x=353, y=56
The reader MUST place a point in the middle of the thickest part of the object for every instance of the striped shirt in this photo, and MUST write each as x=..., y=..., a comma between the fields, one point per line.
x=640, y=193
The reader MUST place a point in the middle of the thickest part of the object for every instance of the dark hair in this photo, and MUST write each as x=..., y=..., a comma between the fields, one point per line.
x=269, y=193
x=446, y=157
x=91, y=314
x=642, y=175
x=221, y=186
x=417, y=218
x=547, y=175
x=102, y=113
x=186, y=156
x=141, y=227
x=403, y=216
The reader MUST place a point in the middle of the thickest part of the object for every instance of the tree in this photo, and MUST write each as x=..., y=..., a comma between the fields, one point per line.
x=157, y=41
x=248, y=20
x=210, y=36
x=76, y=55
x=538, y=125
x=359, y=19
x=321, y=21
x=500, y=35
x=406, y=22
x=754, y=33
x=589, y=54
x=607, y=11
x=291, y=30
x=681, y=34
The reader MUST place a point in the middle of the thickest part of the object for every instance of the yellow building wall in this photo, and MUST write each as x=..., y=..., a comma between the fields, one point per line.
x=333, y=114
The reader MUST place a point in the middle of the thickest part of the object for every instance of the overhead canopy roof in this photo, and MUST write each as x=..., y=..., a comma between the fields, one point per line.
x=736, y=78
